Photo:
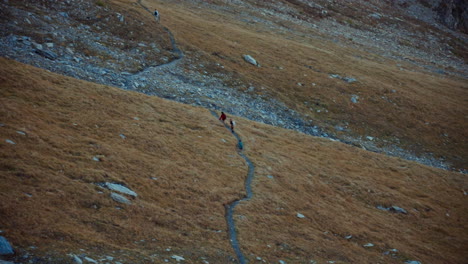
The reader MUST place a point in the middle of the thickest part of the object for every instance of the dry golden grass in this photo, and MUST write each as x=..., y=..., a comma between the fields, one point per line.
x=427, y=113
x=67, y=122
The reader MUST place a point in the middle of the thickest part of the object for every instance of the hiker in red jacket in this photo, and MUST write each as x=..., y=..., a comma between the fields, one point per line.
x=222, y=117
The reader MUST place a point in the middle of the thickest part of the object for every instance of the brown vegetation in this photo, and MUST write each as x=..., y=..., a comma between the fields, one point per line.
x=50, y=199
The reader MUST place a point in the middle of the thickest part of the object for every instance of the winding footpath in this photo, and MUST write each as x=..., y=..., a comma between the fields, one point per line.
x=250, y=174
x=230, y=206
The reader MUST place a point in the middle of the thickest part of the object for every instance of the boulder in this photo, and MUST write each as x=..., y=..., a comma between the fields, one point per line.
x=120, y=188
x=46, y=54
x=250, y=60
x=5, y=247
x=120, y=199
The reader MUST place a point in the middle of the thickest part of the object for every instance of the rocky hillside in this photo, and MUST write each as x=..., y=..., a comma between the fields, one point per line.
x=334, y=101
x=95, y=174
x=364, y=73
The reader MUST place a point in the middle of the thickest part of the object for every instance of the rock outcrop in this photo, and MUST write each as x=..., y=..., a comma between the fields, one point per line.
x=454, y=14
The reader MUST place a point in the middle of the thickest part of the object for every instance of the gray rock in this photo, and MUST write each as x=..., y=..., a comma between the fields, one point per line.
x=178, y=258
x=368, y=245
x=5, y=247
x=250, y=60
x=300, y=215
x=120, y=188
x=10, y=141
x=398, y=209
x=354, y=99
x=21, y=133
x=90, y=260
x=119, y=198
x=122, y=136
x=349, y=79
x=77, y=260
x=46, y=54
x=339, y=128
x=412, y=262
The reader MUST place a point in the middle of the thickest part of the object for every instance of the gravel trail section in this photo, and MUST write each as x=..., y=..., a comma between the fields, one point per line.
x=231, y=205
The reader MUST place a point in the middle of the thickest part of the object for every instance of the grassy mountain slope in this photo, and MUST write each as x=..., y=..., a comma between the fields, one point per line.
x=400, y=102
x=183, y=164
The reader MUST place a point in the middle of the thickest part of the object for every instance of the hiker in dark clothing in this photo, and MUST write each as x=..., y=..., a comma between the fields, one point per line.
x=156, y=15
x=222, y=117
x=232, y=125
x=240, y=145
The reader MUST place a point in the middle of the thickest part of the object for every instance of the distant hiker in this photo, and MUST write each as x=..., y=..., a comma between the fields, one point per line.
x=156, y=15
x=222, y=117
x=232, y=123
x=240, y=145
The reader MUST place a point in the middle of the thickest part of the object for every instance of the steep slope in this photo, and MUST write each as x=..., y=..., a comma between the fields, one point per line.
x=382, y=75
x=70, y=136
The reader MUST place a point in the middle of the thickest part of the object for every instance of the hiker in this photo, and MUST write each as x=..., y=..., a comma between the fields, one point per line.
x=222, y=117
x=232, y=123
x=240, y=145
x=156, y=15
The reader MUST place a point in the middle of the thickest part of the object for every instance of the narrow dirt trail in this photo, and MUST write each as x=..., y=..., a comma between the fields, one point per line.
x=250, y=174
x=175, y=48
x=231, y=205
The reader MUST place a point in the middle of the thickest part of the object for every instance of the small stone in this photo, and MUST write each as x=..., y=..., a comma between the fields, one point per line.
x=21, y=133
x=348, y=237
x=5, y=247
x=178, y=258
x=122, y=136
x=109, y=258
x=349, y=79
x=370, y=138
x=354, y=98
x=282, y=262
x=136, y=118
x=270, y=176
x=95, y=158
x=38, y=46
x=368, y=245
x=119, y=198
x=300, y=215
x=47, y=54
x=77, y=260
x=412, y=262
x=90, y=260
x=250, y=60
x=398, y=209
x=120, y=188
x=10, y=141
x=49, y=45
